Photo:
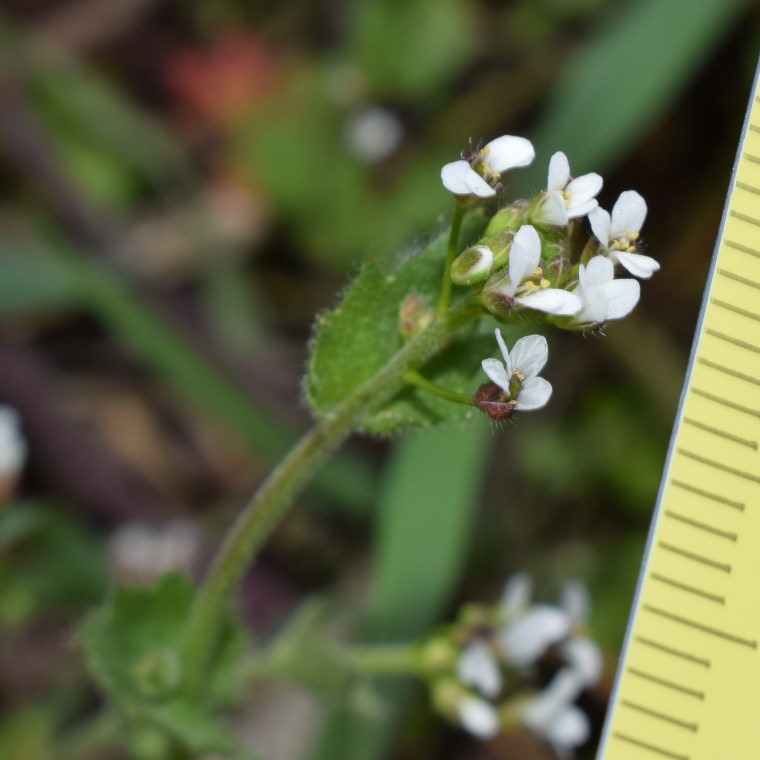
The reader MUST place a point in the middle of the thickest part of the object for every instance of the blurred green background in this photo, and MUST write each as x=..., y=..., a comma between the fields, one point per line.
x=186, y=183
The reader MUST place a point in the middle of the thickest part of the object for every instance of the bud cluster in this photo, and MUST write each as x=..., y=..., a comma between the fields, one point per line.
x=484, y=668
x=535, y=257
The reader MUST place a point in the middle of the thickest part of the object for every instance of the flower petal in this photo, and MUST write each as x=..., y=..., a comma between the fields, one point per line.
x=525, y=639
x=534, y=394
x=600, y=225
x=575, y=600
x=552, y=210
x=479, y=717
x=569, y=729
x=559, y=172
x=539, y=714
x=552, y=301
x=496, y=373
x=478, y=667
x=599, y=271
x=504, y=351
x=584, y=657
x=529, y=355
x=594, y=306
x=517, y=593
x=584, y=188
x=636, y=263
x=628, y=214
x=577, y=210
x=622, y=296
x=524, y=254
x=459, y=178
x=509, y=152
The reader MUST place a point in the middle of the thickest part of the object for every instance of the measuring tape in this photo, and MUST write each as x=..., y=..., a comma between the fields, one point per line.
x=688, y=687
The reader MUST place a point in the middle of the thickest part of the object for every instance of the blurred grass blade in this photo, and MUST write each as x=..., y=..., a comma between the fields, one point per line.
x=423, y=534
x=624, y=77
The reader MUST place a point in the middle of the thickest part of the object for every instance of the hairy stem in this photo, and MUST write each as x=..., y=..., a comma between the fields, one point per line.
x=275, y=496
x=412, y=377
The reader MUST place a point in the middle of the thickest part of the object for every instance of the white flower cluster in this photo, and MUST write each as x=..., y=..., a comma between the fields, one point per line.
x=586, y=295
x=523, y=638
x=13, y=449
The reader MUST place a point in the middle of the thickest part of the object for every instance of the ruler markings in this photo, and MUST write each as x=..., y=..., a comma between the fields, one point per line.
x=736, y=309
x=721, y=433
x=659, y=715
x=749, y=188
x=702, y=526
x=708, y=495
x=687, y=588
x=720, y=466
x=738, y=277
x=725, y=635
x=722, y=566
x=732, y=340
x=729, y=371
x=726, y=402
x=705, y=663
x=754, y=127
x=754, y=159
x=689, y=692
x=746, y=217
x=650, y=747
x=743, y=248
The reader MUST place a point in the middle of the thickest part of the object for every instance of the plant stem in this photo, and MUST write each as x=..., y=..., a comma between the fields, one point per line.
x=447, y=285
x=386, y=660
x=270, y=503
x=412, y=377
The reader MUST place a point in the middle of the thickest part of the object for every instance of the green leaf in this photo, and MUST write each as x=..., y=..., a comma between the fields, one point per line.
x=131, y=647
x=362, y=334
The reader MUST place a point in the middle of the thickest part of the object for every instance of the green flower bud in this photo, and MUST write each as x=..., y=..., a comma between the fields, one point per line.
x=438, y=656
x=509, y=218
x=478, y=263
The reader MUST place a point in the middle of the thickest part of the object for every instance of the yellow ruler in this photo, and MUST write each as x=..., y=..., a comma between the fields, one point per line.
x=689, y=681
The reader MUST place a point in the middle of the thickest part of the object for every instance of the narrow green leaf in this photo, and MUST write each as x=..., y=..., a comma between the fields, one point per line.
x=622, y=79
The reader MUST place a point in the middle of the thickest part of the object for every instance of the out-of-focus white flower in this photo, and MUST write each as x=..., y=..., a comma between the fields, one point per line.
x=566, y=198
x=604, y=298
x=517, y=593
x=479, y=173
x=12, y=445
x=479, y=717
x=518, y=375
x=619, y=233
x=519, y=288
x=477, y=667
x=526, y=638
x=584, y=658
x=141, y=553
x=574, y=599
x=373, y=134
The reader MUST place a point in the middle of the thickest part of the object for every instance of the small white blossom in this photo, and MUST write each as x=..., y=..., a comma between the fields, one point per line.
x=604, y=298
x=528, y=357
x=525, y=640
x=584, y=658
x=12, y=444
x=524, y=258
x=477, y=667
x=518, y=591
x=567, y=198
x=619, y=233
x=479, y=717
x=574, y=599
x=481, y=172
x=373, y=134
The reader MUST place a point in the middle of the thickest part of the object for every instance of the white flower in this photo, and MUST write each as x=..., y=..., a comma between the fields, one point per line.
x=477, y=667
x=526, y=639
x=521, y=368
x=477, y=175
x=479, y=717
x=604, y=298
x=574, y=599
x=373, y=134
x=567, y=198
x=12, y=444
x=517, y=594
x=618, y=233
x=553, y=715
x=584, y=658
x=524, y=258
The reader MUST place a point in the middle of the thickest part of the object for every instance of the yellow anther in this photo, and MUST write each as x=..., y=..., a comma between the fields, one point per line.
x=538, y=271
x=518, y=376
x=633, y=235
x=496, y=175
x=530, y=286
x=544, y=283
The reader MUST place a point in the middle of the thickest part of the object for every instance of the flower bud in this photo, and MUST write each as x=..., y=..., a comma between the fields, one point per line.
x=414, y=315
x=509, y=218
x=490, y=399
x=438, y=655
x=478, y=263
